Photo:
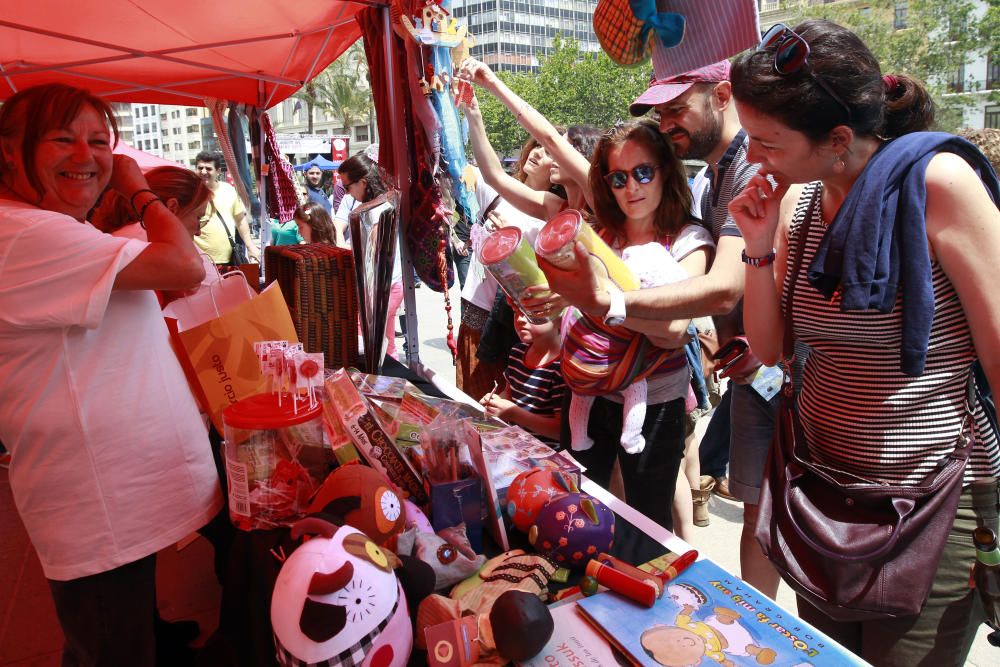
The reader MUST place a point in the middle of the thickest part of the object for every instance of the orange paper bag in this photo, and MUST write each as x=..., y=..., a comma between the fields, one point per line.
x=218, y=354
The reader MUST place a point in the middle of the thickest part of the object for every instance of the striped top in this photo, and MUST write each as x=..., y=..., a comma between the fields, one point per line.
x=734, y=173
x=860, y=413
x=537, y=390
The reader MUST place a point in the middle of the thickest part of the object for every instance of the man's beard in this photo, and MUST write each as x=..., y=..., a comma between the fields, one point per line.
x=702, y=143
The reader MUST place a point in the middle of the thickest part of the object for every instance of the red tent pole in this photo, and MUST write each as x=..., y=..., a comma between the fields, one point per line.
x=402, y=146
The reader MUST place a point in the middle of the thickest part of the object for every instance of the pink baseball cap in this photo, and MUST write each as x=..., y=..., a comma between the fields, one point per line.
x=661, y=91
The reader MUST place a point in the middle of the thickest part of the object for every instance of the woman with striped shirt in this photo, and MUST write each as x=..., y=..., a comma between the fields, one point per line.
x=892, y=228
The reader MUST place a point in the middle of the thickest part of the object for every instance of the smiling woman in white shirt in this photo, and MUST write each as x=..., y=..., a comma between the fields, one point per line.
x=110, y=459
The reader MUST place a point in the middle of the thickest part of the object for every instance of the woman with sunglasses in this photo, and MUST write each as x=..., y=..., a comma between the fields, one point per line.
x=886, y=231
x=640, y=197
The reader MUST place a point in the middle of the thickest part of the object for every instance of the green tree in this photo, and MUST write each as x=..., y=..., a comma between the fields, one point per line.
x=342, y=89
x=938, y=38
x=570, y=87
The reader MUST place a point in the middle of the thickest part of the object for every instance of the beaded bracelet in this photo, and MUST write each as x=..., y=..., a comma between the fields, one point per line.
x=131, y=200
x=142, y=212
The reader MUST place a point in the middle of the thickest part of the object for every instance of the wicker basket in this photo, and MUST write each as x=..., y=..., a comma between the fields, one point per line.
x=319, y=284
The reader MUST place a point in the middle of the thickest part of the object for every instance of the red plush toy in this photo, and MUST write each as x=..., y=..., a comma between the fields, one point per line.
x=360, y=496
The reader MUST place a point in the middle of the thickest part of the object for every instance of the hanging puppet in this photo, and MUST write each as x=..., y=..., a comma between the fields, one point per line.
x=433, y=39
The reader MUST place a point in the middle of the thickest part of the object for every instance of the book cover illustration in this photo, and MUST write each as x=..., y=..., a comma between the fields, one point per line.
x=574, y=643
x=708, y=617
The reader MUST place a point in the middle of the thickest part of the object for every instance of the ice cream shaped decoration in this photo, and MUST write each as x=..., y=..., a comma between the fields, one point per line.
x=572, y=529
x=337, y=601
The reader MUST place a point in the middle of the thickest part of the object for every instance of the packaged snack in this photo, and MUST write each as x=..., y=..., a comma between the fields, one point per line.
x=509, y=257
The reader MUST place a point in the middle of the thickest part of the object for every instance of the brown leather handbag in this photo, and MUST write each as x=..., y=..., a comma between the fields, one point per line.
x=856, y=549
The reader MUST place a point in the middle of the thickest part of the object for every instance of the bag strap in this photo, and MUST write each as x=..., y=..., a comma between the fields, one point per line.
x=489, y=209
x=232, y=241
x=788, y=342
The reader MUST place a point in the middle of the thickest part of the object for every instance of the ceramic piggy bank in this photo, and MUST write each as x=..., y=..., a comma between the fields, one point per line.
x=572, y=529
x=531, y=490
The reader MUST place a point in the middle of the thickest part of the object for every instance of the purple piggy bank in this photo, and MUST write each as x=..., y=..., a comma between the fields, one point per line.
x=572, y=529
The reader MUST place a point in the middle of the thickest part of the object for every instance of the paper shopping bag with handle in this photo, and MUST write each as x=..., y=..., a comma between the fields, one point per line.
x=217, y=352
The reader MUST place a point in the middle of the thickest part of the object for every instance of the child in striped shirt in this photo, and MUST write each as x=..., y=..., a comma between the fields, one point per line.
x=534, y=389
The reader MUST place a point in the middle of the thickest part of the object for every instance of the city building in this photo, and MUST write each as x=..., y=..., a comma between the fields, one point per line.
x=978, y=77
x=511, y=35
x=181, y=133
x=175, y=133
x=123, y=119
x=146, y=128
x=291, y=117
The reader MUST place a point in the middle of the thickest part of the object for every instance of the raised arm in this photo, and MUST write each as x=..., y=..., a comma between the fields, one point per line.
x=171, y=261
x=541, y=205
x=715, y=293
x=757, y=210
x=573, y=165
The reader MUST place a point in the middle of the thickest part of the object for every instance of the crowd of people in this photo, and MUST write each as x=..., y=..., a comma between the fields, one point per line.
x=805, y=139
x=789, y=132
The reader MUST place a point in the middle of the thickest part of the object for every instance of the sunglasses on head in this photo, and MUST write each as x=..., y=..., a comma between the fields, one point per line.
x=791, y=53
x=642, y=174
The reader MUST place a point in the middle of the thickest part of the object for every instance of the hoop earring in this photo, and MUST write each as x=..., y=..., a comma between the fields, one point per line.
x=839, y=166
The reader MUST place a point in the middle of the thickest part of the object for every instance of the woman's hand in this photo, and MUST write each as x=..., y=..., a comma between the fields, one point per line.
x=476, y=72
x=495, y=221
x=540, y=301
x=471, y=107
x=126, y=177
x=755, y=211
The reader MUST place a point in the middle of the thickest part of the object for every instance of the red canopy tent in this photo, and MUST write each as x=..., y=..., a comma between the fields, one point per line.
x=256, y=52
x=253, y=52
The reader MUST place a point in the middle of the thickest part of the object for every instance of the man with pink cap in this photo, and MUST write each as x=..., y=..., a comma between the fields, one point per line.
x=696, y=110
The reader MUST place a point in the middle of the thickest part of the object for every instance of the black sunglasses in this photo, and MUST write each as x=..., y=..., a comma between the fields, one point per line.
x=642, y=174
x=791, y=53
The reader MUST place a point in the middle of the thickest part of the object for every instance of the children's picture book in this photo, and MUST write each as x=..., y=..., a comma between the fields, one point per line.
x=574, y=643
x=709, y=617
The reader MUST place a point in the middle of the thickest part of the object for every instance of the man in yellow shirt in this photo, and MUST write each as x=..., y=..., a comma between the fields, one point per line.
x=214, y=239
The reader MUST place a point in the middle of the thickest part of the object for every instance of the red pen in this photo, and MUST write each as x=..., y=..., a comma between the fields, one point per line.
x=678, y=565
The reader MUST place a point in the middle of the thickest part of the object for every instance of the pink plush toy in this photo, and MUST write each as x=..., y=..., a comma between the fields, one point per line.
x=337, y=599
